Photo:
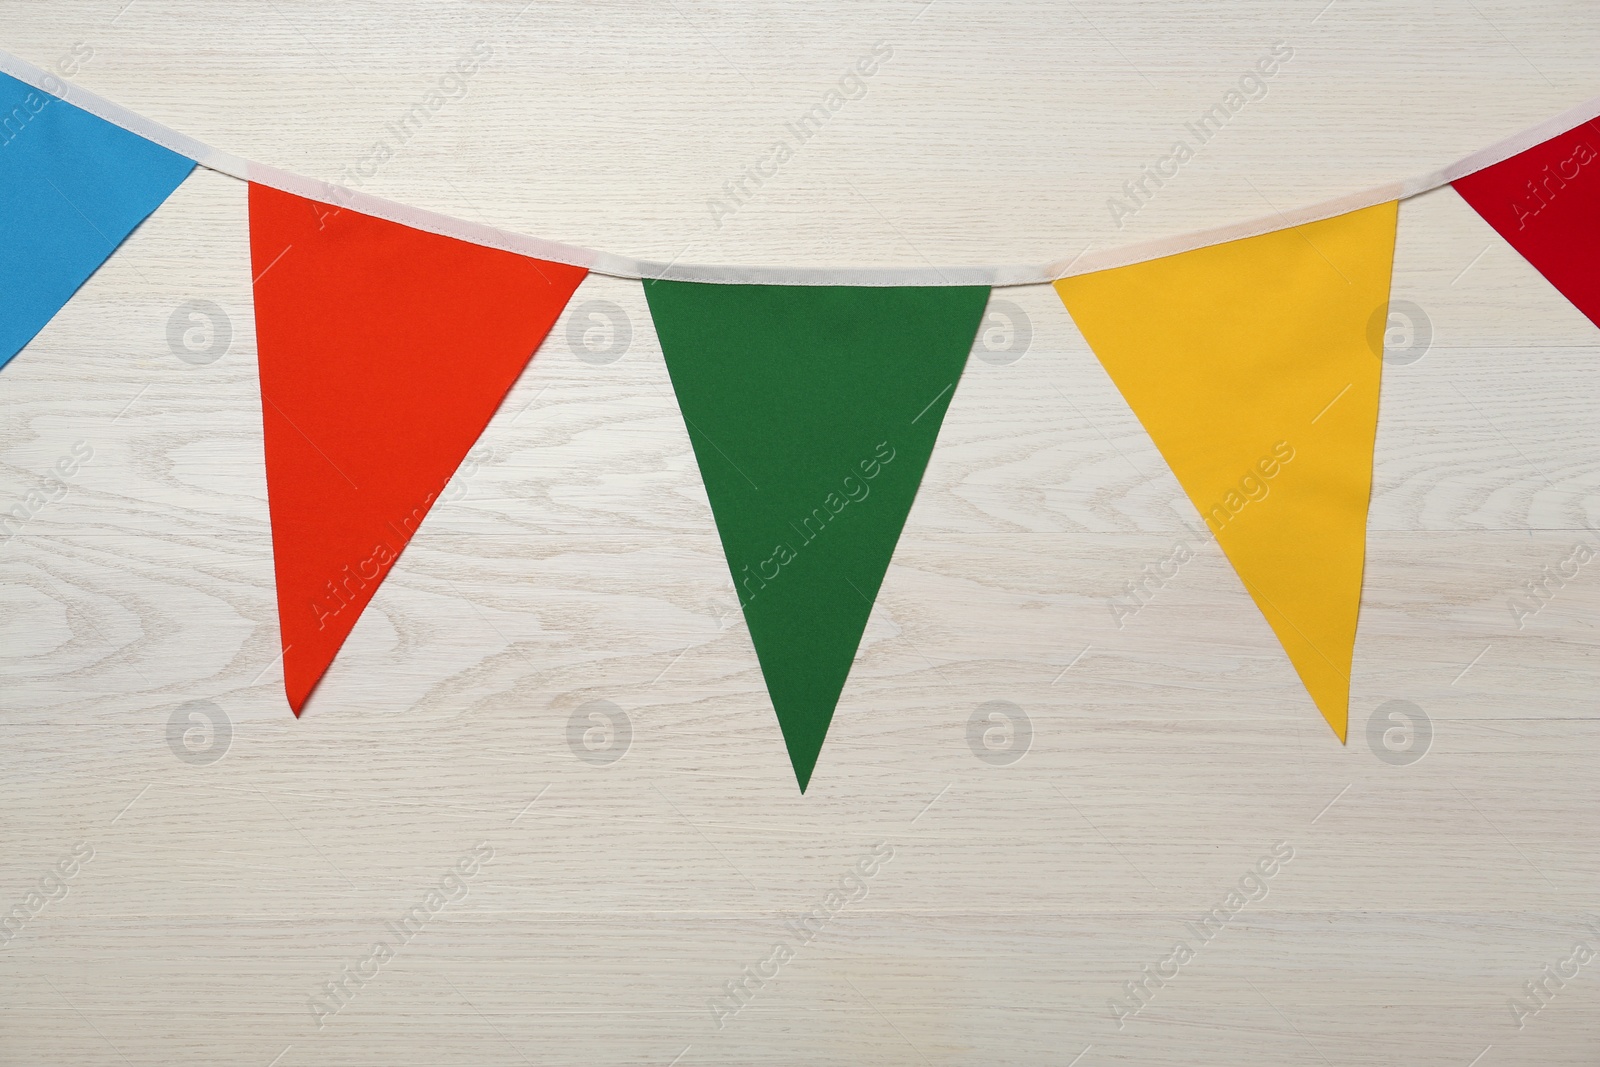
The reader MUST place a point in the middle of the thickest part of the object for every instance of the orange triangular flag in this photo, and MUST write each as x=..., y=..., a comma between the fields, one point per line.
x=1251, y=365
x=384, y=351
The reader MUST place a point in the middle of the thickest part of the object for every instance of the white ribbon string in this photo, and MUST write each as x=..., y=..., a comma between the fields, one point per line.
x=628, y=267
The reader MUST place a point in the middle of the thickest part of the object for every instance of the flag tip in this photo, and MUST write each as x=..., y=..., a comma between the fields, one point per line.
x=297, y=696
x=1339, y=723
x=802, y=772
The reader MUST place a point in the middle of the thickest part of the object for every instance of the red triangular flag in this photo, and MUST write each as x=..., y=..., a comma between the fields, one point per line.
x=384, y=351
x=1546, y=203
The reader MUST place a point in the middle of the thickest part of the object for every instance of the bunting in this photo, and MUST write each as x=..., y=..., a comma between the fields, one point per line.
x=1546, y=203
x=1249, y=365
x=812, y=411
x=72, y=187
x=384, y=351
x=813, y=398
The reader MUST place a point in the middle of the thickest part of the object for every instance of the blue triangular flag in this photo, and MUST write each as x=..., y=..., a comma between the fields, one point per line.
x=72, y=186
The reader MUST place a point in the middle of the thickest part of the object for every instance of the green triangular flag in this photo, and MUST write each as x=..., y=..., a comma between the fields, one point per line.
x=813, y=411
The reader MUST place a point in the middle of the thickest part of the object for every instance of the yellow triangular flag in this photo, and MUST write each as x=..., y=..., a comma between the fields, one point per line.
x=1250, y=365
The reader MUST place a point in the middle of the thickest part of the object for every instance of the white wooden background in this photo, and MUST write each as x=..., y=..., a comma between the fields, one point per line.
x=579, y=562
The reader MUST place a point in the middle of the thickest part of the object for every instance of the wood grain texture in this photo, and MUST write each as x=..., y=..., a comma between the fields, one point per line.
x=577, y=561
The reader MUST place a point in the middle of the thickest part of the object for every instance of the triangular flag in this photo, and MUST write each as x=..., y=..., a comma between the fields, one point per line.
x=812, y=411
x=1546, y=203
x=1252, y=368
x=72, y=186
x=384, y=351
